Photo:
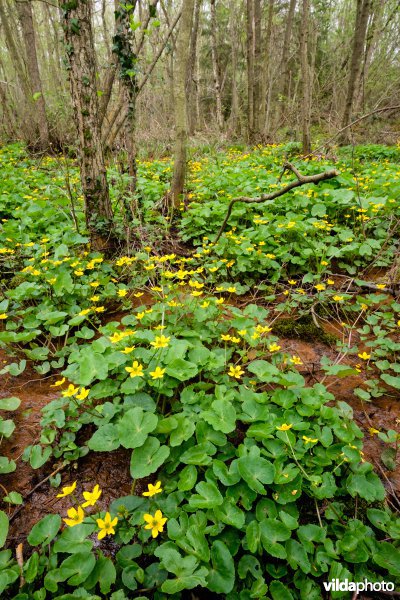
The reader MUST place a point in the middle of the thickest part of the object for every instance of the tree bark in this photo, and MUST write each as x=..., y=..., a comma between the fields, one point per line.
x=361, y=24
x=258, y=96
x=305, y=79
x=215, y=67
x=182, y=54
x=250, y=67
x=285, y=69
x=191, y=67
x=266, y=89
x=77, y=24
x=39, y=111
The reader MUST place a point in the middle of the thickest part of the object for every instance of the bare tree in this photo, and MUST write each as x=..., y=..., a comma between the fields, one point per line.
x=215, y=67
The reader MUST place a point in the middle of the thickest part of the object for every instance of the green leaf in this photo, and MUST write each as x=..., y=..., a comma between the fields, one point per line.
x=391, y=380
x=147, y=459
x=92, y=366
x=183, y=431
x=230, y=514
x=366, y=485
x=45, y=530
x=134, y=427
x=77, y=567
x=388, y=557
x=221, y=577
x=279, y=591
x=38, y=456
x=105, y=439
x=182, y=369
x=264, y=370
x=256, y=471
x=9, y=403
x=7, y=465
x=3, y=528
x=274, y=531
x=6, y=427
x=13, y=498
x=208, y=496
x=222, y=417
x=187, y=478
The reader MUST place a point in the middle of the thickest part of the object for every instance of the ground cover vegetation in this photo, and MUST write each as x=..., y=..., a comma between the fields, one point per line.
x=249, y=478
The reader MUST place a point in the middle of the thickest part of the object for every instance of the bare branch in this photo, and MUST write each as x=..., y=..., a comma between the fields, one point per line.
x=301, y=180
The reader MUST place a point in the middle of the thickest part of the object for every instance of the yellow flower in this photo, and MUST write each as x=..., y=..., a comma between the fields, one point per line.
x=153, y=489
x=373, y=431
x=274, y=348
x=75, y=516
x=99, y=309
x=94, y=298
x=140, y=316
x=242, y=332
x=285, y=427
x=78, y=273
x=84, y=312
x=3, y=316
x=309, y=440
x=106, y=526
x=338, y=298
x=330, y=282
x=158, y=373
x=136, y=370
x=225, y=337
x=381, y=286
x=235, y=340
x=116, y=337
x=84, y=393
x=364, y=356
x=220, y=300
x=138, y=294
x=324, y=263
x=58, y=383
x=292, y=282
x=205, y=304
x=70, y=391
x=320, y=287
x=235, y=372
x=128, y=349
x=92, y=497
x=155, y=523
x=122, y=293
x=296, y=360
x=161, y=341
x=67, y=490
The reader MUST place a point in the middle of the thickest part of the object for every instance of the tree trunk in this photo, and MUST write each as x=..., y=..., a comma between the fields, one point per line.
x=182, y=58
x=191, y=68
x=77, y=24
x=39, y=112
x=215, y=67
x=285, y=69
x=258, y=97
x=266, y=89
x=233, y=118
x=361, y=23
x=305, y=79
x=250, y=68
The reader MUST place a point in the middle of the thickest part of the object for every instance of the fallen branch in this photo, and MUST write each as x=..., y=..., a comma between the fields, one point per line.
x=301, y=180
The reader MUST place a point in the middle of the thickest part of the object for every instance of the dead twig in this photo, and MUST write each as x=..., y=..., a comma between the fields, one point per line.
x=301, y=180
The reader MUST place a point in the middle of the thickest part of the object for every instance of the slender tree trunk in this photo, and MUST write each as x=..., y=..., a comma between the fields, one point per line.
x=285, y=66
x=250, y=67
x=233, y=118
x=191, y=67
x=305, y=79
x=182, y=55
x=77, y=24
x=215, y=66
x=372, y=37
x=39, y=112
x=266, y=89
x=258, y=97
x=361, y=24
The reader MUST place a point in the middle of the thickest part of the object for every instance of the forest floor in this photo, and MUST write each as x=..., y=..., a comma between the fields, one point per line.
x=282, y=338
